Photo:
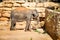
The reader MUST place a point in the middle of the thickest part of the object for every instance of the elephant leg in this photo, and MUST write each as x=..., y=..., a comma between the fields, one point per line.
x=37, y=20
x=13, y=23
x=28, y=25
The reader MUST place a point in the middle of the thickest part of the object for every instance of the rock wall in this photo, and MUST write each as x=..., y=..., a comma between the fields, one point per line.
x=52, y=23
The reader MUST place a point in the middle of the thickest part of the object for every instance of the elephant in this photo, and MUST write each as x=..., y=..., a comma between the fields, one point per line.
x=21, y=13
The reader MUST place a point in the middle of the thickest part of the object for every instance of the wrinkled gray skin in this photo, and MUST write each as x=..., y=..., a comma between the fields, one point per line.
x=23, y=15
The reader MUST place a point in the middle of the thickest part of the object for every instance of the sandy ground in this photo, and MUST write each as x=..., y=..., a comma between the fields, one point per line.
x=22, y=35
x=6, y=34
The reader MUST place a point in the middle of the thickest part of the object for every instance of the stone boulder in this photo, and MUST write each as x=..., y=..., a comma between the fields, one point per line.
x=16, y=4
x=0, y=14
x=52, y=25
x=3, y=19
x=6, y=13
x=8, y=5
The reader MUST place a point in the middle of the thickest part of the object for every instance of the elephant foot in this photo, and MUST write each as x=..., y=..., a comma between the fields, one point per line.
x=27, y=30
x=12, y=29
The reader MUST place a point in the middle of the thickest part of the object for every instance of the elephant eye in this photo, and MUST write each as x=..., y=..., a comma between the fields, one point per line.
x=33, y=15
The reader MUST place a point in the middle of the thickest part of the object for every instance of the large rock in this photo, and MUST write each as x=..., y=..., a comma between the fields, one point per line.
x=40, y=9
x=6, y=13
x=42, y=23
x=14, y=8
x=16, y=5
x=8, y=2
x=0, y=14
x=7, y=9
x=3, y=19
x=20, y=25
x=1, y=8
x=40, y=5
x=51, y=4
x=20, y=1
x=32, y=4
x=41, y=14
x=26, y=4
x=1, y=4
x=52, y=25
x=8, y=5
x=4, y=25
x=34, y=24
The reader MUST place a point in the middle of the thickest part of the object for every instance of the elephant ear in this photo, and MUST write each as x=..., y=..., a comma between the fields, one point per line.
x=34, y=12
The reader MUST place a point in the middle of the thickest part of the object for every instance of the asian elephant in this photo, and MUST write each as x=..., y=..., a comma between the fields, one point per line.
x=22, y=13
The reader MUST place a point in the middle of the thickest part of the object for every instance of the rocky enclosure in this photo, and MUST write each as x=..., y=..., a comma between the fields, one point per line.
x=6, y=7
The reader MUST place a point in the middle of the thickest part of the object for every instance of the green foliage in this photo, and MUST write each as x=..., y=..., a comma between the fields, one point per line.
x=37, y=31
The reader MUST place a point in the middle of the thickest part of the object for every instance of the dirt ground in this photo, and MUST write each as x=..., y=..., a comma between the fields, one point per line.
x=6, y=34
x=22, y=35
